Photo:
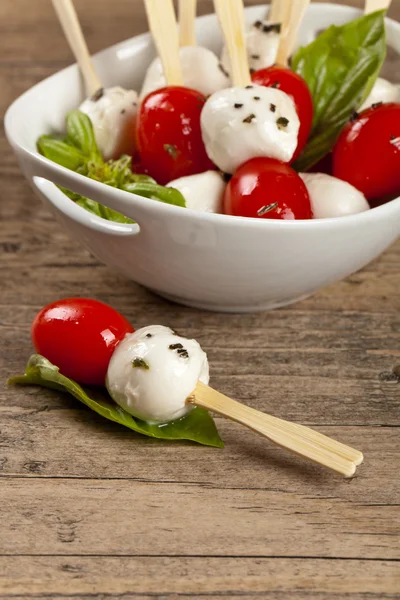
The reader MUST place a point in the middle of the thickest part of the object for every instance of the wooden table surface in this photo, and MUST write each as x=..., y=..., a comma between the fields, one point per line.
x=90, y=510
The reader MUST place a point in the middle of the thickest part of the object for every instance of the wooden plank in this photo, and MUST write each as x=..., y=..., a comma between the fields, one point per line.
x=37, y=444
x=132, y=577
x=69, y=516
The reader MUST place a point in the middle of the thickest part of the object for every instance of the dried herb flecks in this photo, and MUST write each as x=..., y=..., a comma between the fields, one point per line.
x=149, y=335
x=256, y=98
x=282, y=123
x=237, y=105
x=272, y=107
x=172, y=150
x=266, y=209
x=255, y=56
x=249, y=118
x=140, y=363
x=181, y=351
x=376, y=104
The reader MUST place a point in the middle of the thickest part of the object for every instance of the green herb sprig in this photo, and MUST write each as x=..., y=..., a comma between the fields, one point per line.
x=78, y=151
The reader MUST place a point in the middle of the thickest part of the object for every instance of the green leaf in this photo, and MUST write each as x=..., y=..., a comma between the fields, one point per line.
x=197, y=426
x=81, y=135
x=340, y=68
x=60, y=152
x=168, y=195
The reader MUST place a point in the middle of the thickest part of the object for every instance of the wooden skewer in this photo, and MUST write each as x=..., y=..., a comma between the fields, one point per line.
x=187, y=17
x=296, y=438
x=231, y=17
x=277, y=10
x=162, y=23
x=292, y=13
x=72, y=30
x=374, y=5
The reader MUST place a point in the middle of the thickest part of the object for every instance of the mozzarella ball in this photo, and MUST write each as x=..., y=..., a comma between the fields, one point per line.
x=113, y=114
x=202, y=192
x=153, y=371
x=332, y=197
x=262, y=42
x=242, y=123
x=383, y=91
x=201, y=72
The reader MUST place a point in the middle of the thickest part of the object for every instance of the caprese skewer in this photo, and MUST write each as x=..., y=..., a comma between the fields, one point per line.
x=112, y=110
x=158, y=376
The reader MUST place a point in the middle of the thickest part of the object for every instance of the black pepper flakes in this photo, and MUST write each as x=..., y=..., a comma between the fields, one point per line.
x=175, y=346
x=258, y=24
x=249, y=87
x=282, y=122
x=237, y=105
x=267, y=208
x=181, y=351
x=256, y=98
x=376, y=104
x=123, y=111
x=272, y=107
x=149, y=335
x=140, y=363
x=255, y=56
x=98, y=94
x=249, y=118
x=269, y=27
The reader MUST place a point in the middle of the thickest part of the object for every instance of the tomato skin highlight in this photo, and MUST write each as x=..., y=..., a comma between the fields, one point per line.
x=367, y=153
x=294, y=86
x=79, y=335
x=263, y=182
x=169, y=136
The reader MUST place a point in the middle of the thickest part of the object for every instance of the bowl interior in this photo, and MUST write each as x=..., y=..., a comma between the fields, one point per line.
x=44, y=106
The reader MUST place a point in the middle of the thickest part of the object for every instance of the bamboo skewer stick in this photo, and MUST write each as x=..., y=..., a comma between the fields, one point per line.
x=72, y=30
x=187, y=17
x=231, y=17
x=292, y=15
x=296, y=438
x=162, y=24
x=277, y=11
x=374, y=5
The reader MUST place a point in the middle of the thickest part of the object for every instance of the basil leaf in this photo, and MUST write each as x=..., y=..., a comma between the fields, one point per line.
x=60, y=152
x=340, y=68
x=168, y=195
x=101, y=211
x=81, y=135
x=197, y=426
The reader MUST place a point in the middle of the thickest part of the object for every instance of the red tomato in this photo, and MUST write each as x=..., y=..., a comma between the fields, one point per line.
x=367, y=153
x=79, y=335
x=292, y=84
x=268, y=189
x=169, y=134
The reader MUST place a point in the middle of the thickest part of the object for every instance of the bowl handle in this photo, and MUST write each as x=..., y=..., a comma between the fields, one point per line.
x=45, y=173
x=67, y=208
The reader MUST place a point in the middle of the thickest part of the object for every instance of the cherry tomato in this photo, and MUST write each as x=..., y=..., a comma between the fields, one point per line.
x=169, y=134
x=268, y=189
x=79, y=335
x=292, y=84
x=367, y=153
x=324, y=165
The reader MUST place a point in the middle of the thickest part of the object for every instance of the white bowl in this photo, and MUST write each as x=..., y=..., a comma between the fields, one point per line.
x=217, y=262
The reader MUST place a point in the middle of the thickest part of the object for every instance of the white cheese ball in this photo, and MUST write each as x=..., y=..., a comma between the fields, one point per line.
x=113, y=114
x=262, y=42
x=383, y=91
x=242, y=123
x=201, y=72
x=203, y=192
x=153, y=371
x=332, y=197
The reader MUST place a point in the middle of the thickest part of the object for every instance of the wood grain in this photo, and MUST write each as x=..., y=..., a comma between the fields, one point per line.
x=90, y=510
